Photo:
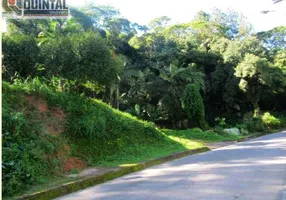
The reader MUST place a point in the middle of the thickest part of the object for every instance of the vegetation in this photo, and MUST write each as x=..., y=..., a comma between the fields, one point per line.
x=24, y=146
x=34, y=153
x=192, y=103
x=213, y=71
x=199, y=135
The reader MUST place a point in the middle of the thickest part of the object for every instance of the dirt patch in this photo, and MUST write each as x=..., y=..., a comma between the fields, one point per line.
x=58, y=113
x=67, y=163
x=63, y=152
x=38, y=103
x=74, y=163
x=52, y=118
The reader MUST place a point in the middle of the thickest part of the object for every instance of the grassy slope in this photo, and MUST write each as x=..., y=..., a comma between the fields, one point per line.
x=199, y=135
x=95, y=132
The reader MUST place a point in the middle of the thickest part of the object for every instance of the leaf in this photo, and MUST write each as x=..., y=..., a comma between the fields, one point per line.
x=173, y=69
x=164, y=75
x=41, y=35
x=181, y=70
x=42, y=41
x=54, y=25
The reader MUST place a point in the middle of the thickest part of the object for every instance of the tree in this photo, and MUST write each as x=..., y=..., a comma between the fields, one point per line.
x=57, y=29
x=176, y=78
x=158, y=24
x=274, y=38
x=27, y=26
x=81, y=57
x=255, y=74
x=82, y=18
x=94, y=16
x=192, y=103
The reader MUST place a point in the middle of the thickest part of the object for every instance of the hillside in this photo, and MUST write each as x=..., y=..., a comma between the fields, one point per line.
x=47, y=133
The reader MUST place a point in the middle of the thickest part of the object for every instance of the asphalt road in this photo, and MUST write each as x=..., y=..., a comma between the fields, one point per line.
x=251, y=170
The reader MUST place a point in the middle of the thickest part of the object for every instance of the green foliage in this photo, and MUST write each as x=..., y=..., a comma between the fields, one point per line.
x=221, y=122
x=95, y=131
x=95, y=61
x=275, y=38
x=160, y=75
x=57, y=29
x=26, y=26
x=158, y=23
x=21, y=55
x=100, y=54
x=192, y=103
x=261, y=123
x=256, y=74
x=199, y=135
x=270, y=120
x=82, y=57
x=256, y=125
x=24, y=146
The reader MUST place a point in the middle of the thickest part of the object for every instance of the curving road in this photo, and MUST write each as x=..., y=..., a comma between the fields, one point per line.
x=251, y=170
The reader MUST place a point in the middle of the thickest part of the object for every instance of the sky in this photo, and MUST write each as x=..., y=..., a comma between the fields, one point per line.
x=143, y=11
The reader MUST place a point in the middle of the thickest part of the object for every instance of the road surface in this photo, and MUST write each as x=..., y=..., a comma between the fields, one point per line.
x=251, y=170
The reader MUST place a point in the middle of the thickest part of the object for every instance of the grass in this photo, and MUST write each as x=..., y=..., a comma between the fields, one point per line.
x=144, y=152
x=200, y=136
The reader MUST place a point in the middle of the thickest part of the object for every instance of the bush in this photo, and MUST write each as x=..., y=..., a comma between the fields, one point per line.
x=256, y=125
x=260, y=123
x=243, y=128
x=270, y=120
x=20, y=55
x=221, y=122
x=283, y=121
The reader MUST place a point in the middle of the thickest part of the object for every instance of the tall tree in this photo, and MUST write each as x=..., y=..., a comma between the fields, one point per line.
x=256, y=75
x=193, y=105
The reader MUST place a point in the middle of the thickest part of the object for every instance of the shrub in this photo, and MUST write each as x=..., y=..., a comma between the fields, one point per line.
x=221, y=122
x=256, y=125
x=260, y=123
x=270, y=120
x=283, y=121
x=243, y=128
x=20, y=55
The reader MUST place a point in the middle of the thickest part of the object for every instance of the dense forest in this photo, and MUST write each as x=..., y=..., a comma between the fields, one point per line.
x=178, y=75
x=212, y=71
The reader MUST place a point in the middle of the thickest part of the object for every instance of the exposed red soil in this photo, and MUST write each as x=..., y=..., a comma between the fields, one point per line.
x=53, y=120
x=38, y=103
x=58, y=113
x=74, y=163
